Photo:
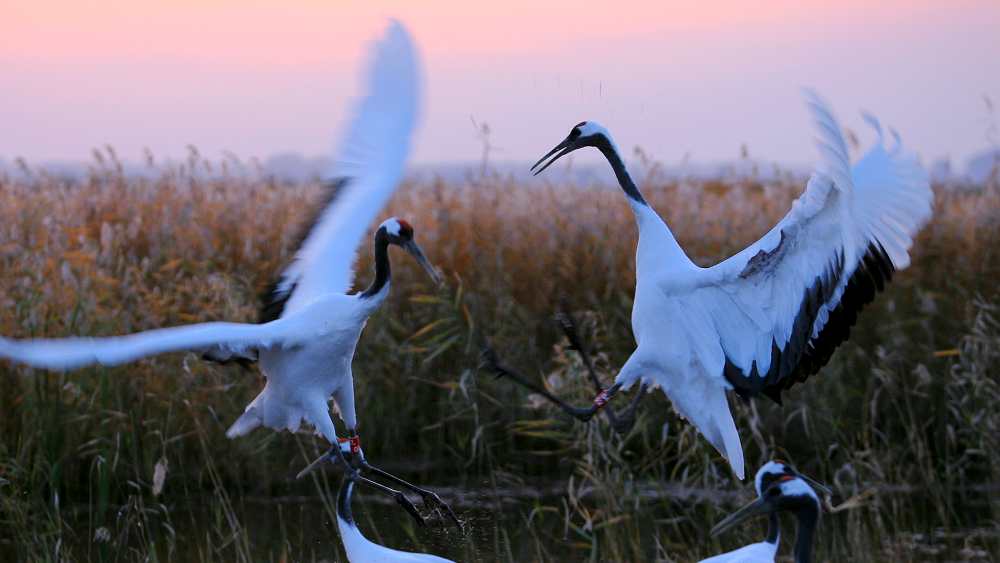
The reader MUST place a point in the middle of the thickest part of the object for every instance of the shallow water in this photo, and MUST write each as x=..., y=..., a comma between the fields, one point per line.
x=521, y=523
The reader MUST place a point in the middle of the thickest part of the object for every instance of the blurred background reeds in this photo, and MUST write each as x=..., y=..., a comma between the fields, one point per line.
x=132, y=463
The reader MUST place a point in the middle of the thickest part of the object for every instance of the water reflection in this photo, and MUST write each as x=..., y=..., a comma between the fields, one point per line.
x=527, y=522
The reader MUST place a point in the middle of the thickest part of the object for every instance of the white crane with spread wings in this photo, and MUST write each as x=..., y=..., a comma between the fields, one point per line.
x=771, y=315
x=309, y=326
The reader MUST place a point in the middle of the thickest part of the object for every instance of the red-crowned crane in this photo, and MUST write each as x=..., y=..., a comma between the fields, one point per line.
x=360, y=549
x=779, y=488
x=309, y=326
x=773, y=314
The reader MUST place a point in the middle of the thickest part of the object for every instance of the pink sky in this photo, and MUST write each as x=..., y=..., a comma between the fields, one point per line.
x=677, y=78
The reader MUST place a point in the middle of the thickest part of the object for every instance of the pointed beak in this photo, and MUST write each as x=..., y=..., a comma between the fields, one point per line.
x=561, y=150
x=316, y=464
x=418, y=254
x=756, y=508
x=819, y=487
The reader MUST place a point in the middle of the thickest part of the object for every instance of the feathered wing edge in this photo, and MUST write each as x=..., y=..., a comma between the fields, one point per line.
x=369, y=164
x=276, y=412
x=276, y=296
x=837, y=246
x=886, y=201
x=217, y=338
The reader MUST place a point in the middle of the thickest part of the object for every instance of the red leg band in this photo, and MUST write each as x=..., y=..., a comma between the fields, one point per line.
x=601, y=399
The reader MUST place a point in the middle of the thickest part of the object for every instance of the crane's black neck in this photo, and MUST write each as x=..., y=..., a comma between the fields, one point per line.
x=807, y=516
x=773, y=528
x=624, y=179
x=382, y=270
x=344, y=501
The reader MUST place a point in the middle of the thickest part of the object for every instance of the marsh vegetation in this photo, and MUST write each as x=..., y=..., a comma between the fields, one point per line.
x=132, y=463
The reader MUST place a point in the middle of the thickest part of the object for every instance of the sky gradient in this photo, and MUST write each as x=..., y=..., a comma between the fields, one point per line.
x=691, y=80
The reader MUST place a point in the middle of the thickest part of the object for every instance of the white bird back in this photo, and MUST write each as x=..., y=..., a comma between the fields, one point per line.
x=761, y=552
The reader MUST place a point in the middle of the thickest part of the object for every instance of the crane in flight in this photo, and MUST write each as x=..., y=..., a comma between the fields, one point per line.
x=309, y=327
x=773, y=314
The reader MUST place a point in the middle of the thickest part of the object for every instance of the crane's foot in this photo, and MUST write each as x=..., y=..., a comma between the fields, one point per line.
x=348, y=454
x=398, y=496
x=626, y=419
x=440, y=507
x=408, y=506
x=584, y=414
x=431, y=499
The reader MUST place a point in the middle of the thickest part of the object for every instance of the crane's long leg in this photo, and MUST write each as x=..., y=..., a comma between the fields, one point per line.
x=581, y=413
x=624, y=423
x=354, y=461
x=430, y=498
x=334, y=455
x=401, y=499
x=626, y=419
x=568, y=325
x=337, y=457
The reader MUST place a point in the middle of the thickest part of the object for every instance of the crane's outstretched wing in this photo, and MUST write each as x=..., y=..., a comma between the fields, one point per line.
x=218, y=339
x=773, y=314
x=369, y=164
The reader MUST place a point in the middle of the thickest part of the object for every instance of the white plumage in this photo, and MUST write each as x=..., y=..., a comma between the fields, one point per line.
x=764, y=551
x=362, y=550
x=779, y=488
x=372, y=153
x=760, y=552
x=306, y=350
x=772, y=314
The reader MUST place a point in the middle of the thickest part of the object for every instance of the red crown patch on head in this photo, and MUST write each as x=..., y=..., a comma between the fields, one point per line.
x=404, y=227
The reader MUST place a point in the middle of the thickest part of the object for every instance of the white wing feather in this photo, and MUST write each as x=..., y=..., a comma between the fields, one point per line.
x=783, y=288
x=371, y=157
x=69, y=353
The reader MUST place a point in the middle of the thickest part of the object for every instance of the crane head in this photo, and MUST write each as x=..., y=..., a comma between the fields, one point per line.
x=400, y=233
x=786, y=493
x=583, y=134
x=776, y=469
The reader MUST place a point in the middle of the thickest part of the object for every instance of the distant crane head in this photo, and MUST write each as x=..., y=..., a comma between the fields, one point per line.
x=769, y=473
x=400, y=233
x=772, y=471
x=780, y=488
x=583, y=134
x=786, y=494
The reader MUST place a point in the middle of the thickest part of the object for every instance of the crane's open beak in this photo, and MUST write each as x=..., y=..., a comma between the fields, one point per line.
x=758, y=507
x=561, y=150
x=418, y=254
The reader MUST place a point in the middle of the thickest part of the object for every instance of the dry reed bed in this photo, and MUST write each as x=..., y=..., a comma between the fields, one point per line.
x=909, y=402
